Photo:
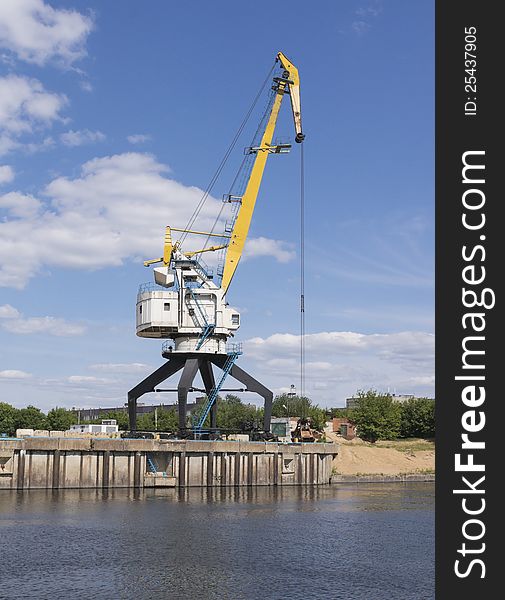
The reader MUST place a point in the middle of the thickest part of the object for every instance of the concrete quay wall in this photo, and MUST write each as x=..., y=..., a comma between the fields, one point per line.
x=61, y=463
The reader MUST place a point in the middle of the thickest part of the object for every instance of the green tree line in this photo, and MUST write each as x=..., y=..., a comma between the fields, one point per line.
x=377, y=416
x=31, y=417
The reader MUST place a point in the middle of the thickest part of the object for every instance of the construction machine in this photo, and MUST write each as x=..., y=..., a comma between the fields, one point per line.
x=304, y=432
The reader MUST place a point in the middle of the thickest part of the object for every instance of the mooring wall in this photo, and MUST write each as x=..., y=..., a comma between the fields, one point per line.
x=59, y=463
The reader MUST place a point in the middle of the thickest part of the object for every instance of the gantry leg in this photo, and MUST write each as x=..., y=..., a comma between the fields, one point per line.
x=148, y=384
x=186, y=381
x=209, y=383
x=253, y=385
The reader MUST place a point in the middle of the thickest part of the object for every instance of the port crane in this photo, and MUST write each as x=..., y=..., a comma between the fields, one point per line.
x=186, y=304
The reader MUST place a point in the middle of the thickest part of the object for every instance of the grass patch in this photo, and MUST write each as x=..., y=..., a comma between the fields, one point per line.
x=407, y=446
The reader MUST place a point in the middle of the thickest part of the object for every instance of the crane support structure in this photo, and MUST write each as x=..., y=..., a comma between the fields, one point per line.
x=186, y=304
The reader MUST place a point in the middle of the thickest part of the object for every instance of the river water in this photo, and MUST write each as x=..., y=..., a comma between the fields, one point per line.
x=352, y=542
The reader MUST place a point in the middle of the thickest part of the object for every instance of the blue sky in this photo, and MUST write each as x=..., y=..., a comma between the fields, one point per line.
x=113, y=118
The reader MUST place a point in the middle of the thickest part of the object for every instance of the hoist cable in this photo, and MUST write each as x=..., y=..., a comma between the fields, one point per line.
x=218, y=171
x=302, y=273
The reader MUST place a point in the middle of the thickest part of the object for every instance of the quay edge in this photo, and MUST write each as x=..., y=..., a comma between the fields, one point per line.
x=65, y=463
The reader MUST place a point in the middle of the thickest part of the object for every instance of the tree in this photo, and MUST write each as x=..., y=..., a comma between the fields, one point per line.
x=317, y=417
x=418, y=418
x=60, y=419
x=168, y=420
x=145, y=422
x=285, y=405
x=30, y=418
x=232, y=413
x=376, y=416
x=7, y=418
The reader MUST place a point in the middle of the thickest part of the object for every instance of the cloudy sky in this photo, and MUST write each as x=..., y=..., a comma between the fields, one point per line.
x=113, y=119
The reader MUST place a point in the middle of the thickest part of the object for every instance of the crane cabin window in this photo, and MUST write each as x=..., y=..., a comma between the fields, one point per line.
x=140, y=309
x=166, y=306
x=235, y=319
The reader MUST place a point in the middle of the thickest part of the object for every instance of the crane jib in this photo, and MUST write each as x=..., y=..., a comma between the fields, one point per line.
x=290, y=84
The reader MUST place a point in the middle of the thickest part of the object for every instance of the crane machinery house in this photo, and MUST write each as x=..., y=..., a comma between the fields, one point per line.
x=186, y=303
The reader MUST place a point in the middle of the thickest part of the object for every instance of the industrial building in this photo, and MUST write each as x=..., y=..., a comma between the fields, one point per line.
x=399, y=398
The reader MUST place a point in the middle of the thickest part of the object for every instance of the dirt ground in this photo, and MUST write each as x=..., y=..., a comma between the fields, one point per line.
x=384, y=458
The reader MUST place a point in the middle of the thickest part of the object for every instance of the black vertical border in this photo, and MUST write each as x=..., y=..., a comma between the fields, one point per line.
x=455, y=134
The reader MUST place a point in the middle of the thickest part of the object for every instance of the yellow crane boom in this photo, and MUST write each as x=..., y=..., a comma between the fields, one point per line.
x=288, y=83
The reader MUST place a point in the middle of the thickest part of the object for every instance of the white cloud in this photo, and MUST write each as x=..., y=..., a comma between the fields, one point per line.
x=421, y=380
x=87, y=379
x=83, y=136
x=14, y=374
x=89, y=389
x=14, y=322
x=373, y=10
x=26, y=107
x=46, y=144
x=35, y=32
x=289, y=343
x=320, y=365
x=50, y=325
x=405, y=346
x=360, y=27
x=85, y=85
x=6, y=174
x=338, y=363
x=120, y=367
x=111, y=204
x=25, y=104
x=20, y=205
x=262, y=246
x=7, y=144
x=138, y=138
x=366, y=14
x=9, y=312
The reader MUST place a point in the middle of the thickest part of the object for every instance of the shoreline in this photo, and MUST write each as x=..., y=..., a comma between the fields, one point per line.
x=405, y=478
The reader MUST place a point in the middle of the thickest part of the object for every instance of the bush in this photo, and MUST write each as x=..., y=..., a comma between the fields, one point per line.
x=30, y=418
x=7, y=418
x=232, y=413
x=59, y=419
x=418, y=418
x=168, y=420
x=376, y=416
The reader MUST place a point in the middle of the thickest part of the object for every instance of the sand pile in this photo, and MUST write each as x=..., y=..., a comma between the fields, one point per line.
x=386, y=458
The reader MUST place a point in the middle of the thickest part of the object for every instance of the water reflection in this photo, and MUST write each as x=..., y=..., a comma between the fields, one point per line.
x=375, y=541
